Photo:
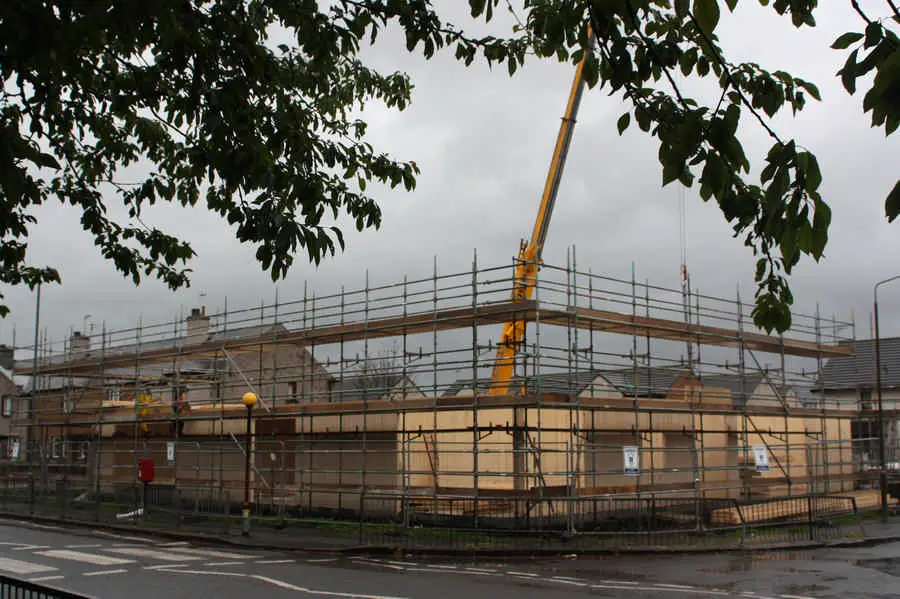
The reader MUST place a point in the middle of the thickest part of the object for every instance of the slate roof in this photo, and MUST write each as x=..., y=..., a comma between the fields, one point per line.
x=195, y=367
x=173, y=342
x=858, y=371
x=353, y=388
x=653, y=382
x=17, y=380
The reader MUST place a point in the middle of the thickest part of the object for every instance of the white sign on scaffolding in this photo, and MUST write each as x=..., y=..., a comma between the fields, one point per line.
x=170, y=452
x=632, y=460
x=14, y=449
x=761, y=458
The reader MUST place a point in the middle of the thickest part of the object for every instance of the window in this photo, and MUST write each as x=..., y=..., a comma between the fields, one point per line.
x=112, y=394
x=865, y=400
x=292, y=391
x=7, y=407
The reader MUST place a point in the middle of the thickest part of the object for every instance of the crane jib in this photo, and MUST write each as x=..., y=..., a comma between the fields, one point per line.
x=530, y=254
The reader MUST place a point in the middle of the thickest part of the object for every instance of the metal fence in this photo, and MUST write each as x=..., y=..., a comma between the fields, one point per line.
x=13, y=588
x=329, y=491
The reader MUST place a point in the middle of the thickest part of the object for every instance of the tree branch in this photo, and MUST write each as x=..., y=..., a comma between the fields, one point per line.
x=731, y=83
x=649, y=45
x=893, y=6
x=855, y=5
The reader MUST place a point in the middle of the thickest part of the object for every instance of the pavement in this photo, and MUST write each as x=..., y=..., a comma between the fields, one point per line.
x=345, y=538
x=112, y=565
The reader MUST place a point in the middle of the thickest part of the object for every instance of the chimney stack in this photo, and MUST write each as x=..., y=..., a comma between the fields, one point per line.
x=6, y=357
x=197, y=326
x=79, y=344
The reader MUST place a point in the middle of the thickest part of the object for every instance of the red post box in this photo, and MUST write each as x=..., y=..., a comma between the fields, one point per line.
x=145, y=470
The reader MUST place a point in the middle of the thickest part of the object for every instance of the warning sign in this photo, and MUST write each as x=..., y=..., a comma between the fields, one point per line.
x=632, y=460
x=761, y=458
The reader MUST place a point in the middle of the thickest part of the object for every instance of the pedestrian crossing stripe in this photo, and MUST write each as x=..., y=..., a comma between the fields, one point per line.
x=208, y=553
x=19, y=567
x=87, y=558
x=166, y=556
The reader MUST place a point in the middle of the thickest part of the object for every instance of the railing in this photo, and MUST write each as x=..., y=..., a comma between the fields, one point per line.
x=12, y=588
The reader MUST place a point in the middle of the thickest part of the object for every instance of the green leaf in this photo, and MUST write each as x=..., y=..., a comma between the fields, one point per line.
x=731, y=4
x=845, y=40
x=811, y=89
x=873, y=34
x=623, y=122
x=848, y=73
x=477, y=7
x=707, y=14
x=811, y=171
x=892, y=204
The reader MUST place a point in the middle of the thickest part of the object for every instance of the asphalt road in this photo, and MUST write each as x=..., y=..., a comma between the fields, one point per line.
x=106, y=565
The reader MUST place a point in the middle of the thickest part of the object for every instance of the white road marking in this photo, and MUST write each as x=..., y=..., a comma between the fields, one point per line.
x=30, y=547
x=433, y=571
x=576, y=583
x=658, y=590
x=47, y=526
x=673, y=586
x=224, y=563
x=484, y=570
x=208, y=553
x=166, y=556
x=395, y=562
x=46, y=578
x=380, y=564
x=321, y=560
x=84, y=546
x=88, y=558
x=443, y=567
x=174, y=544
x=166, y=566
x=275, y=561
x=106, y=572
x=619, y=582
x=308, y=591
x=796, y=597
x=121, y=537
x=172, y=570
x=18, y=567
x=529, y=574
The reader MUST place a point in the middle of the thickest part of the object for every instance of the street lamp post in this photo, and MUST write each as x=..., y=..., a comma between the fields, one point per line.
x=881, y=445
x=249, y=400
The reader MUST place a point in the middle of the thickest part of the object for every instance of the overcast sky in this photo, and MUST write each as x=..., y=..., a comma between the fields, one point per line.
x=483, y=141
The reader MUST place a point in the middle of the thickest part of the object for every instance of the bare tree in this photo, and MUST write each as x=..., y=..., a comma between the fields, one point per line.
x=372, y=377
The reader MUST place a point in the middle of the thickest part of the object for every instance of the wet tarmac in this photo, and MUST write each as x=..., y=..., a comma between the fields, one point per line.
x=846, y=573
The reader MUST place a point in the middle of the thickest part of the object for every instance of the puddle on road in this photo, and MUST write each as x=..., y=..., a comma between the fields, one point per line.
x=890, y=565
x=804, y=589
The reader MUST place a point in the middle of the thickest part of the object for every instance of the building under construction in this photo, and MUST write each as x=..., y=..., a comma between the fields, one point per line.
x=447, y=396
x=385, y=400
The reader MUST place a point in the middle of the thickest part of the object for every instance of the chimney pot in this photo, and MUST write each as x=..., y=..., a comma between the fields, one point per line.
x=6, y=357
x=197, y=326
x=79, y=344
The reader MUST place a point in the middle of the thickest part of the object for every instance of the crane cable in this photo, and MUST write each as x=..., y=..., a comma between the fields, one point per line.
x=682, y=234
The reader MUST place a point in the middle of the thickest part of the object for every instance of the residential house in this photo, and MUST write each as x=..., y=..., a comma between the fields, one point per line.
x=851, y=382
x=10, y=390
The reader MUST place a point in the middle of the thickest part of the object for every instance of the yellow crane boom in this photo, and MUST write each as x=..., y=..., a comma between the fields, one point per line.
x=530, y=254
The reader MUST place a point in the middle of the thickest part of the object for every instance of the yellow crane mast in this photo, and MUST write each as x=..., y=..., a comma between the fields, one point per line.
x=529, y=256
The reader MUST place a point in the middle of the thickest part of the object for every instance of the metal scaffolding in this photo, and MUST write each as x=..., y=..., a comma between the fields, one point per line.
x=374, y=403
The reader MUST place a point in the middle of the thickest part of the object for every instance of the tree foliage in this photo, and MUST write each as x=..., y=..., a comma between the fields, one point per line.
x=263, y=133
x=648, y=48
